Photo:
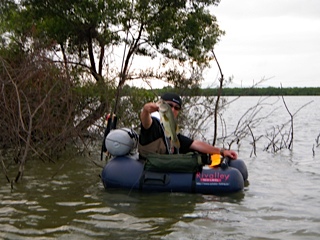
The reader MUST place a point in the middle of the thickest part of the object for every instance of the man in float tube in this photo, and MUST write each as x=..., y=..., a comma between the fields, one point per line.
x=152, y=138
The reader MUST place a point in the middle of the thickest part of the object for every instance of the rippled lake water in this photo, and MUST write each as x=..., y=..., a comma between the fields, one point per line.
x=280, y=201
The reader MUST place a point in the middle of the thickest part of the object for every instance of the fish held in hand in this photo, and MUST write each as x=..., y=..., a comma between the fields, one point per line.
x=169, y=123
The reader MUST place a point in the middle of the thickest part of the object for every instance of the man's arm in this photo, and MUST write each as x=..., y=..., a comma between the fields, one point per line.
x=207, y=148
x=145, y=115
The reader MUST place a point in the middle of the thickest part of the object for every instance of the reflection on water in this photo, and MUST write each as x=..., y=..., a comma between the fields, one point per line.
x=281, y=202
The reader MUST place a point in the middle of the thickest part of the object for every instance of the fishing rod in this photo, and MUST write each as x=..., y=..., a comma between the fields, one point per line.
x=112, y=119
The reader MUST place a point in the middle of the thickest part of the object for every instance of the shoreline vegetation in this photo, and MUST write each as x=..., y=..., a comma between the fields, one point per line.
x=266, y=91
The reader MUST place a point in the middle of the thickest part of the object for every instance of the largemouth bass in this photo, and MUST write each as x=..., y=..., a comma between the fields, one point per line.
x=169, y=123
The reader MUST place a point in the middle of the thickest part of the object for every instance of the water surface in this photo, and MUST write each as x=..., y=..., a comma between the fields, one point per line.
x=280, y=201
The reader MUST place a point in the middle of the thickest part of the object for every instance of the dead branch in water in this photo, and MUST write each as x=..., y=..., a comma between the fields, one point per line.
x=216, y=109
x=280, y=138
x=254, y=142
x=35, y=108
x=247, y=122
x=290, y=146
x=316, y=145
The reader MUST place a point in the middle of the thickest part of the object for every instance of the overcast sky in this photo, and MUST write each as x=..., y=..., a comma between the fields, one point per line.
x=276, y=39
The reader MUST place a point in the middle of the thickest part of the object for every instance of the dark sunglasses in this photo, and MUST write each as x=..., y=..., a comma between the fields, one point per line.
x=174, y=106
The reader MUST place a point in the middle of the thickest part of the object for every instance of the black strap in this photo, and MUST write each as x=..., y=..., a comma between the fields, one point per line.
x=111, y=124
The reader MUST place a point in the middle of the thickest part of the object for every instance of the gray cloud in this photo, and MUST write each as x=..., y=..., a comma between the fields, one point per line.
x=274, y=38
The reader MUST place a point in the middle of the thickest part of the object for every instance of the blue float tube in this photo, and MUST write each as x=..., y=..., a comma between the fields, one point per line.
x=128, y=172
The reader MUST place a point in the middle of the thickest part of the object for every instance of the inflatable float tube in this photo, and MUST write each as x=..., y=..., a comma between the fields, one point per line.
x=128, y=172
x=125, y=170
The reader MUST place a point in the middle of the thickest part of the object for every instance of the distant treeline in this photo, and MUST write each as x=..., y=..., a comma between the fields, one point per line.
x=267, y=91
